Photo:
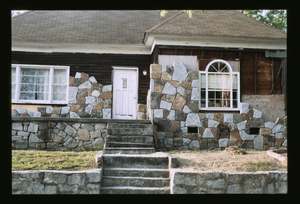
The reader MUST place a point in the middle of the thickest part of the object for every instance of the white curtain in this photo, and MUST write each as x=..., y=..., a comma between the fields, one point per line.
x=59, y=84
x=219, y=81
x=34, y=84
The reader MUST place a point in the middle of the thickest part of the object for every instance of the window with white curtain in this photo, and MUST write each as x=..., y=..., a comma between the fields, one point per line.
x=219, y=87
x=39, y=84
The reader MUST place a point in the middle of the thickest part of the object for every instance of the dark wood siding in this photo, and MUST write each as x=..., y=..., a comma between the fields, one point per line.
x=97, y=65
x=257, y=71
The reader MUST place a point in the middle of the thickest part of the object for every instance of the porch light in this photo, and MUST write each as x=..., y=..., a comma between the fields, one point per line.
x=145, y=72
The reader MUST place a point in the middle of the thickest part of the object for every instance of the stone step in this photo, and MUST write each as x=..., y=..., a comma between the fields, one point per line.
x=137, y=139
x=129, y=150
x=134, y=190
x=134, y=181
x=130, y=131
x=150, y=161
x=128, y=144
x=134, y=172
x=128, y=125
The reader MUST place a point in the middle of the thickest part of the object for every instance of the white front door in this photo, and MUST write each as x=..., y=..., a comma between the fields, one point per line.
x=125, y=93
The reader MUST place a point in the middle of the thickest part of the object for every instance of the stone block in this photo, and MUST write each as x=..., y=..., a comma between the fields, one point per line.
x=21, y=110
x=213, y=123
x=246, y=136
x=278, y=128
x=265, y=131
x=178, y=103
x=235, y=139
x=207, y=133
x=52, y=145
x=279, y=121
x=237, y=118
x=97, y=87
x=218, y=117
x=74, y=115
x=169, y=134
x=77, y=75
x=14, y=113
x=98, y=106
x=71, y=80
x=258, y=142
x=155, y=100
x=194, y=145
x=186, y=141
x=70, y=143
x=164, y=125
x=107, y=88
x=279, y=142
x=83, y=134
x=177, y=142
x=107, y=113
x=107, y=103
x=174, y=83
x=186, y=85
x=141, y=108
x=255, y=123
x=269, y=125
x=210, y=115
x=175, y=125
x=40, y=145
x=158, y=113
x=180, y=90
x=248, y=115
x=193, y=120
x=284, y=144
x=65, y=110
x=168, y=98
x=195, y=94
x=169, y=89
x=90, y=100
x=185, y=179
x=278, y=135
x=223, y=142
x=57, y=139
x=241, y=125
x=96, y=93
x=166, y=105
x=212, y=143
x=244, y=107
x=257, y=113
x=49, y=110
x=17, y=126
x=85, y=85
x=158, y=88
x=186, y=109
x=195, y=83
x=155, y=71
x=193, y=105
x=33, y=127
x=180, y=115
x=21, y=144
x=171, y=115
x=223, y=131
x=82, y=93
x=166, y=76
x=70, y=130
x=180, y=72
x=168, y=142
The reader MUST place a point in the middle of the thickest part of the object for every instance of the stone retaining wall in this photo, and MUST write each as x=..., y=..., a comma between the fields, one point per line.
x=173, y=104
x=56, y=182
x=201, y=182
x=63, y=136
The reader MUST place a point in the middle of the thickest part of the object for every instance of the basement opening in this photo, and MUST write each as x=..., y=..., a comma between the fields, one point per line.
x=192, y=129
x=254, y=131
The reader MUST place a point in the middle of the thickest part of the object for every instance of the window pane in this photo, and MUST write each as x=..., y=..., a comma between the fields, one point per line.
x=60, y=76
x=234, y=81
x=34, y=84
x=13, y=75
x=203, y=97
x=59, y=93
x=235, y=104
x=218, y=99
x=219, y=81
x=203, y=81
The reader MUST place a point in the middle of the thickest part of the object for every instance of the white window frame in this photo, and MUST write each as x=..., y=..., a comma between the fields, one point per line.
x=231, y=88
x=50, y=97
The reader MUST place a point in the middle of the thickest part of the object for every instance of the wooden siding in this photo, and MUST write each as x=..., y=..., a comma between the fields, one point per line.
x=257, y=75
x=97, y=65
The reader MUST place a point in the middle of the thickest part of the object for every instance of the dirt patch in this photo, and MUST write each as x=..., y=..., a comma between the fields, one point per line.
x=229, y=160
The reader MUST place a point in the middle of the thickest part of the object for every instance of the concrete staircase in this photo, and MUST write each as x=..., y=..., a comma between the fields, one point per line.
x=135, y=174
x=129, y=138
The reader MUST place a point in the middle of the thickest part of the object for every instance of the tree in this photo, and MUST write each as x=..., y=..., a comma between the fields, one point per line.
x=275, y=18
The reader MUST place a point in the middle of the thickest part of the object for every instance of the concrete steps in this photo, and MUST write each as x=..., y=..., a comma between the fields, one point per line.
x=135, y=174
x=129, y=138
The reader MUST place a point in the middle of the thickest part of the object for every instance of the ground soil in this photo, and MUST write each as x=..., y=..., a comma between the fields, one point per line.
x=227, y=160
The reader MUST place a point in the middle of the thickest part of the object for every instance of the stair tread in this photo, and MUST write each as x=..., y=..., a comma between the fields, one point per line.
x=134, y=169
x=133, y=187
x=136, y=177
x=129, y=147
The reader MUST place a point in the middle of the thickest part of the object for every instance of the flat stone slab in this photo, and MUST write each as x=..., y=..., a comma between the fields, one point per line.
x=275, y=153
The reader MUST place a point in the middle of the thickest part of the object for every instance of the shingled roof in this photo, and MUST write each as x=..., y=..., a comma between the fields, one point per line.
x=58, y=29
x=217, y=23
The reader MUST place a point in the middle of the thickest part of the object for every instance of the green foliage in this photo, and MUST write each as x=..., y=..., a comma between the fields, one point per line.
x=275, y=18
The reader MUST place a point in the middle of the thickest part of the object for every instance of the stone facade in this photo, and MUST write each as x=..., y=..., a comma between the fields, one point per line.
x=56, y=182
x=62, y=136
x=87, y=99
x=174, y=106
x=203, y=182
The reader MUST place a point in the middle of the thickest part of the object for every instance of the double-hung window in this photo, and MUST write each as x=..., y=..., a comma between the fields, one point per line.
x=40, y=84
x=219, y=87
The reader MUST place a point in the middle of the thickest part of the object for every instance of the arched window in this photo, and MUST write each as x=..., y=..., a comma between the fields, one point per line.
x=219, y=87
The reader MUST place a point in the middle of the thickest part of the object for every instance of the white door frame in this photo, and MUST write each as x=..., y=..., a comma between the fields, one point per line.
x=114, y=92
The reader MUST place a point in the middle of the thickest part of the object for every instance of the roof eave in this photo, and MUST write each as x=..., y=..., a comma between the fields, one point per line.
x=216, y=41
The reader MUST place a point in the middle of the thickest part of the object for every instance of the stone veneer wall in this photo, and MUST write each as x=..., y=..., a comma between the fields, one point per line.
x=173, y=103
x=87, y=99
x=202, y=182
x=56, y=182
x=58, y=135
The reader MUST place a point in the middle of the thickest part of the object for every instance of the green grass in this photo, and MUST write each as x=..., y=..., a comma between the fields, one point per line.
x=48, y=160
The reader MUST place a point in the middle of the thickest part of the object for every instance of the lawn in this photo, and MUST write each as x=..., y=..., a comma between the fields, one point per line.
x=56, y=160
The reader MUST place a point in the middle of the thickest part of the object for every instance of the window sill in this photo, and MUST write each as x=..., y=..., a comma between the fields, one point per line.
x=220, y=109
x=38, y=103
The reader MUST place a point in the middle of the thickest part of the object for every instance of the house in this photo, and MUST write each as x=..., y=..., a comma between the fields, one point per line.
x=214, y=74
